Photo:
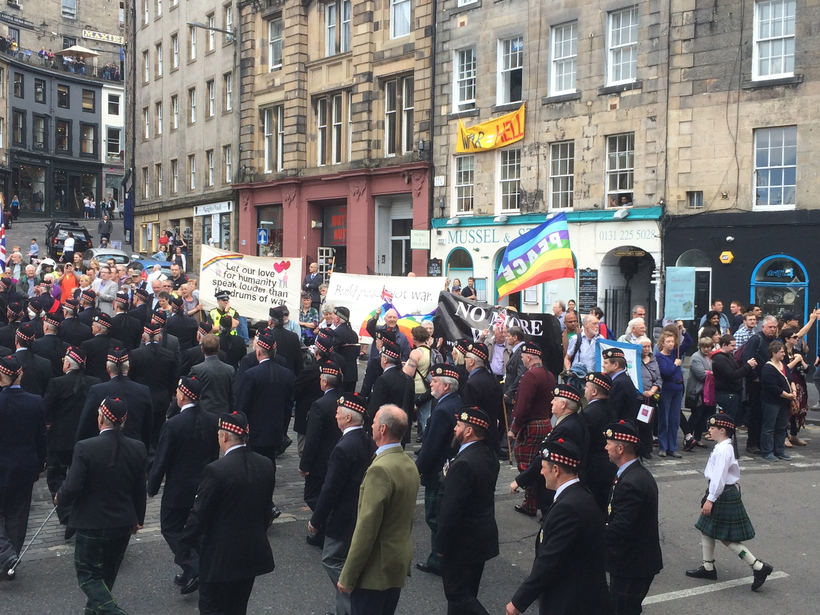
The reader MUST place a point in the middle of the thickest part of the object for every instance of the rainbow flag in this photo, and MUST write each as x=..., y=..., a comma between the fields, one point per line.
x=540, y=255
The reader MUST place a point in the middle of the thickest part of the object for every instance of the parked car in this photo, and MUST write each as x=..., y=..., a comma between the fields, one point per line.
x=146, y=266
x=103, y=254
x=56, y=233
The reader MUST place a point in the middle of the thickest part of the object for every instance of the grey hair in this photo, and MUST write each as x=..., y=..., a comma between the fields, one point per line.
x=328, y=308
x=394, y=418
x=562, y=304
x=643, y=340
x=478, y=361
x=331, y=380
x=769, y=318
x=585, y=318
x=636, y=307
x=635, y=322
x=357, y=418
x=452, y=383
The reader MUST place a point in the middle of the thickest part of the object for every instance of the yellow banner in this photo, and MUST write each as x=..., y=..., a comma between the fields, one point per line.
x=500, y=132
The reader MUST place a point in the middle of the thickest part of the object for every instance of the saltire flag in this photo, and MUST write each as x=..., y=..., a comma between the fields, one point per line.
x=540, y=255
x=2, y=245
x=387, y=296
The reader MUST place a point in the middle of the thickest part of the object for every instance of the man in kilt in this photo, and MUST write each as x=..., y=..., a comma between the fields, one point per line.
x=723, y=516
x=531, y=416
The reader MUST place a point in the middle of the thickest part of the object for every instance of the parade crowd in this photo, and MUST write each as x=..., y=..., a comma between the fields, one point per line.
x=121, y=385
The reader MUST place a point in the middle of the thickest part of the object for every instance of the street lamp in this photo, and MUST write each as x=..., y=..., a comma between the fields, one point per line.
x=231, y=34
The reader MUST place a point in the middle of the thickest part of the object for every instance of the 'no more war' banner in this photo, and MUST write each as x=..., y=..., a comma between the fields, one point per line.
x=415, y=299
x=256, y=283
x=459, y=318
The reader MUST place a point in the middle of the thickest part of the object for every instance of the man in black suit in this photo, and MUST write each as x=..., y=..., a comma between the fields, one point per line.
x=124, y=326
x=182, y=326
x=141, y=310
x=232, y=345
x=35, y=311
x=22, y=455
x=229, y=520
x=467, y=511
x=633, y=546
x=624, y=399
x=105, y=488
x=346, y=343
x=334, y=515
x=436, y=449
x=119, y=385
x=313, y=280
x=14, y=312
x=96, y=349
x=72, y=331
x=515, y=368
x=596, y=416
x=195, y=356
x=288, y=345
x=482, y=389
x=50, y=346
x=166, y=340
x=321, y=436
x=567, y=577
x=186, y=445
x=64, y=400
x=217, y=378
x=36, y=370
x=87, y=311
x=393, y=386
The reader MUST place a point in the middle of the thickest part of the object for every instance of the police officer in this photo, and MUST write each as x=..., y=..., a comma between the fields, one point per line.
x=223, y=308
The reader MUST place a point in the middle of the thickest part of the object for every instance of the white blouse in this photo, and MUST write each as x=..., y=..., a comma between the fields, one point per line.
x=721, y=469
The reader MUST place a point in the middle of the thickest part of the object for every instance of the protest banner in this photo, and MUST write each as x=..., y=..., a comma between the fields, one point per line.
x=459, y=318
x=256, y=283
x=680, y=293
x=415, y=299
x=492, y=134
x=632, y=354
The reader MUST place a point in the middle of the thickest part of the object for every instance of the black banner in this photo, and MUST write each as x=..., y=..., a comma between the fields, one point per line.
x=459, y=318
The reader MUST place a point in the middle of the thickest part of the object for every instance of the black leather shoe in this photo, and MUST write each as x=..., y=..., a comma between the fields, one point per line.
x=428, y=569
x=523, y=511
x=181, y=579
x=190, y=587
x=754, y=450
x=315, y=540
x=761, y=575
x=275, y=513
x=702, y=573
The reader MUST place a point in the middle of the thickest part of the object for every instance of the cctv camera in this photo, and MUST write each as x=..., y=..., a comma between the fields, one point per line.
x=730, y=238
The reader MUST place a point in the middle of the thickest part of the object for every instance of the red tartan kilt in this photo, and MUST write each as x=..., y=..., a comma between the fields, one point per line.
x=528, y=442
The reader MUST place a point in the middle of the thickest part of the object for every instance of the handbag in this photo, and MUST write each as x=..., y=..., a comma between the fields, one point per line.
x=709, y=390
x=690, y=402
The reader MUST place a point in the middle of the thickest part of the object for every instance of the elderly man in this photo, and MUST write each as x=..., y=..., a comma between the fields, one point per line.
x=596, y=416
x=29, y=282
x=635, y=330
x=482, y=389
x=558, y=310
x=758, y=348
x=391, y=331
x=582, y=350
x=313, y=280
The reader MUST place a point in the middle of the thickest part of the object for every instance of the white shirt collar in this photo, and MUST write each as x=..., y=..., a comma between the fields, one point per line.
x=564, y=486
x=186, y=406
x=235, y=446
x=354, y=428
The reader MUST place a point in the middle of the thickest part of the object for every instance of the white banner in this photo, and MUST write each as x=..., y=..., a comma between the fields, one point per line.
x=256, y=283
x=367, y=295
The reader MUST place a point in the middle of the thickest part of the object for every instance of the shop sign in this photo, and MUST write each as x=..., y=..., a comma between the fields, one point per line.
x=335, y=226
x=630, y=252
x=499, y=132
x=587, y=289
x=17, y=21
x=419, y=240
x=224, y=207
x=434, y=268
x=103, y=37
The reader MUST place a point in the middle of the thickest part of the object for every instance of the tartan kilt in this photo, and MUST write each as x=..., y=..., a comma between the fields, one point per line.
x=528, y=442
x=728, y=520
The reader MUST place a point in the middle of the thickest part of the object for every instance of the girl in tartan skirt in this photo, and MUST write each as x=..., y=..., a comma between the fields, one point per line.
x=723, y=516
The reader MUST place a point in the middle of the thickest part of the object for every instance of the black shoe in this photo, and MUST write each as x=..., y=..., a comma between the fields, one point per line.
x=315, y=540
x=275, y=513
x=285, y=444
x=689, y=444
x=190, y=587
x=761, y=575
x=181, y=579
x=702, y=573
x=428, y=569
x=520, y=509
x=754, y=450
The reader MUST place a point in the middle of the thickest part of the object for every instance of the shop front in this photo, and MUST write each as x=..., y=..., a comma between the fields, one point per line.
x=53, y=187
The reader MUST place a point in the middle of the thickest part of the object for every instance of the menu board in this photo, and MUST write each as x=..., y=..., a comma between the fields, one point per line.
x=434, y=267
x=587, y=289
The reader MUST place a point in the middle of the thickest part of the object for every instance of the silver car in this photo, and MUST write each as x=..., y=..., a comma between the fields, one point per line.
x=120, y=257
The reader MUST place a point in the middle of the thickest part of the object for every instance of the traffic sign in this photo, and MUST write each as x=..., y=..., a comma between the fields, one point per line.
x=262, y=236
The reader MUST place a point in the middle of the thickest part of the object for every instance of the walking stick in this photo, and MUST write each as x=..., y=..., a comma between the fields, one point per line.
x=11, y=572
x=507, y=431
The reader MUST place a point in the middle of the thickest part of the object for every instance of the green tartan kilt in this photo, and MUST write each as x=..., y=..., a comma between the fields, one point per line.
x=728, y=520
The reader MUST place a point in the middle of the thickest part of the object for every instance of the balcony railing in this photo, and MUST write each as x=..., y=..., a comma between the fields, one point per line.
x=108, y=72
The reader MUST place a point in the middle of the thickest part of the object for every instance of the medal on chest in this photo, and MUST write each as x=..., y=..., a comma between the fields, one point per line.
x=541, y=537
x=446, y=467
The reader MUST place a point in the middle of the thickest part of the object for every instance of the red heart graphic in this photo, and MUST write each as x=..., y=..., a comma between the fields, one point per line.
x=287, y=264
x=279, y=267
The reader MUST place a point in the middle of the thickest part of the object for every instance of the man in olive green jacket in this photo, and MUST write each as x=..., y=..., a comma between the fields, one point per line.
x=378, y=562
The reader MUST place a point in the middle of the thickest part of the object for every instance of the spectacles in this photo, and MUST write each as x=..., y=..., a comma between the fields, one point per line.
x=794, y=337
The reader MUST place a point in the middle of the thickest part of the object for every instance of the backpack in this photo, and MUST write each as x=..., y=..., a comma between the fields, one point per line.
x=738, y=354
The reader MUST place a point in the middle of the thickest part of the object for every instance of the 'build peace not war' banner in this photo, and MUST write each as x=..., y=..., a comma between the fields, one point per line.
x=256, y=283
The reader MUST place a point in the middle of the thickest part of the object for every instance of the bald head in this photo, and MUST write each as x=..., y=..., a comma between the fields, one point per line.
x=394, y=420
x=391, y=317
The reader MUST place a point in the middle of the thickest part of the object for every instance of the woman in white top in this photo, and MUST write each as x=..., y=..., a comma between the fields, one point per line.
x=68, y=248
x=723, y=516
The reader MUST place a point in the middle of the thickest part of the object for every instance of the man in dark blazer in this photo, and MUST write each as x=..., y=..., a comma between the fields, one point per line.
x=313, y=280
x=436, y=449
x=14, y=312
x=514, y=365
x=393, y=386
x=217, y=378
x=105, y=488
x=467, y=511
x=567, y=577
x=64, y=400
x=119, y=385
x=232, y=345
x=334, y=515
x=633, y=547
x=87, y=311
x=167, y=340
x=288, y=344
x=321, y=436
x=36, y=370
x=140, y=309
x=187, y=443
x=72, y=330
x=123, y=325
x=346, y=343
x=50, y=346
x=596, y=416
x=195, y=356
x=624, y=399
x=96, y=349
x=22, y=455
x=229, y=520
x=181, y=325
x=482, y=389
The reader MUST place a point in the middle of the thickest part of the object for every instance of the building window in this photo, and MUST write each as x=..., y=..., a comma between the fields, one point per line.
x=174, y=51
x=146, y=124
x=775, y=167
x=694, y=199
x=273, y=130
x=510, y=179
x=399, y=18
x=227, y=87
x=192, y=171
x=398, y=116
x=158, y=179
x=211, y=33
x=38, y=127
x=145, y=183
x=69, y=9
x=113, y=144
x=275, y=44
x=228, y=19
x=2, y=131
x=174, y=112
x=332, y=123
x=280, y=137
x=773, y=54
x=510, y=70
x=63, y=96
x=465, y=73
x=174, y=176
x=146, y=67
x=89, y=101
x=62, y=142
x=158, y=54
x=564, y=50
x=465, y=183
x=622, y=43
x=620, y=167
x=211, y=98
x=226, y=157
x=322, y=132
x=466, y=2
x=18, y=85
x=338, y=138
x=39, y=91
x=158, y=118
x=209, y=160
x=18, y=135
x=158, y=8
x=562, y=174
x=146, y=17
x=88, y=139
x=113, y=104
x=191, y=105
x=192, y=43
x=337, y=40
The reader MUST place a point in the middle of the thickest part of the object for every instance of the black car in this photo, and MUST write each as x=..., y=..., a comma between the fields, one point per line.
x=56, y=233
